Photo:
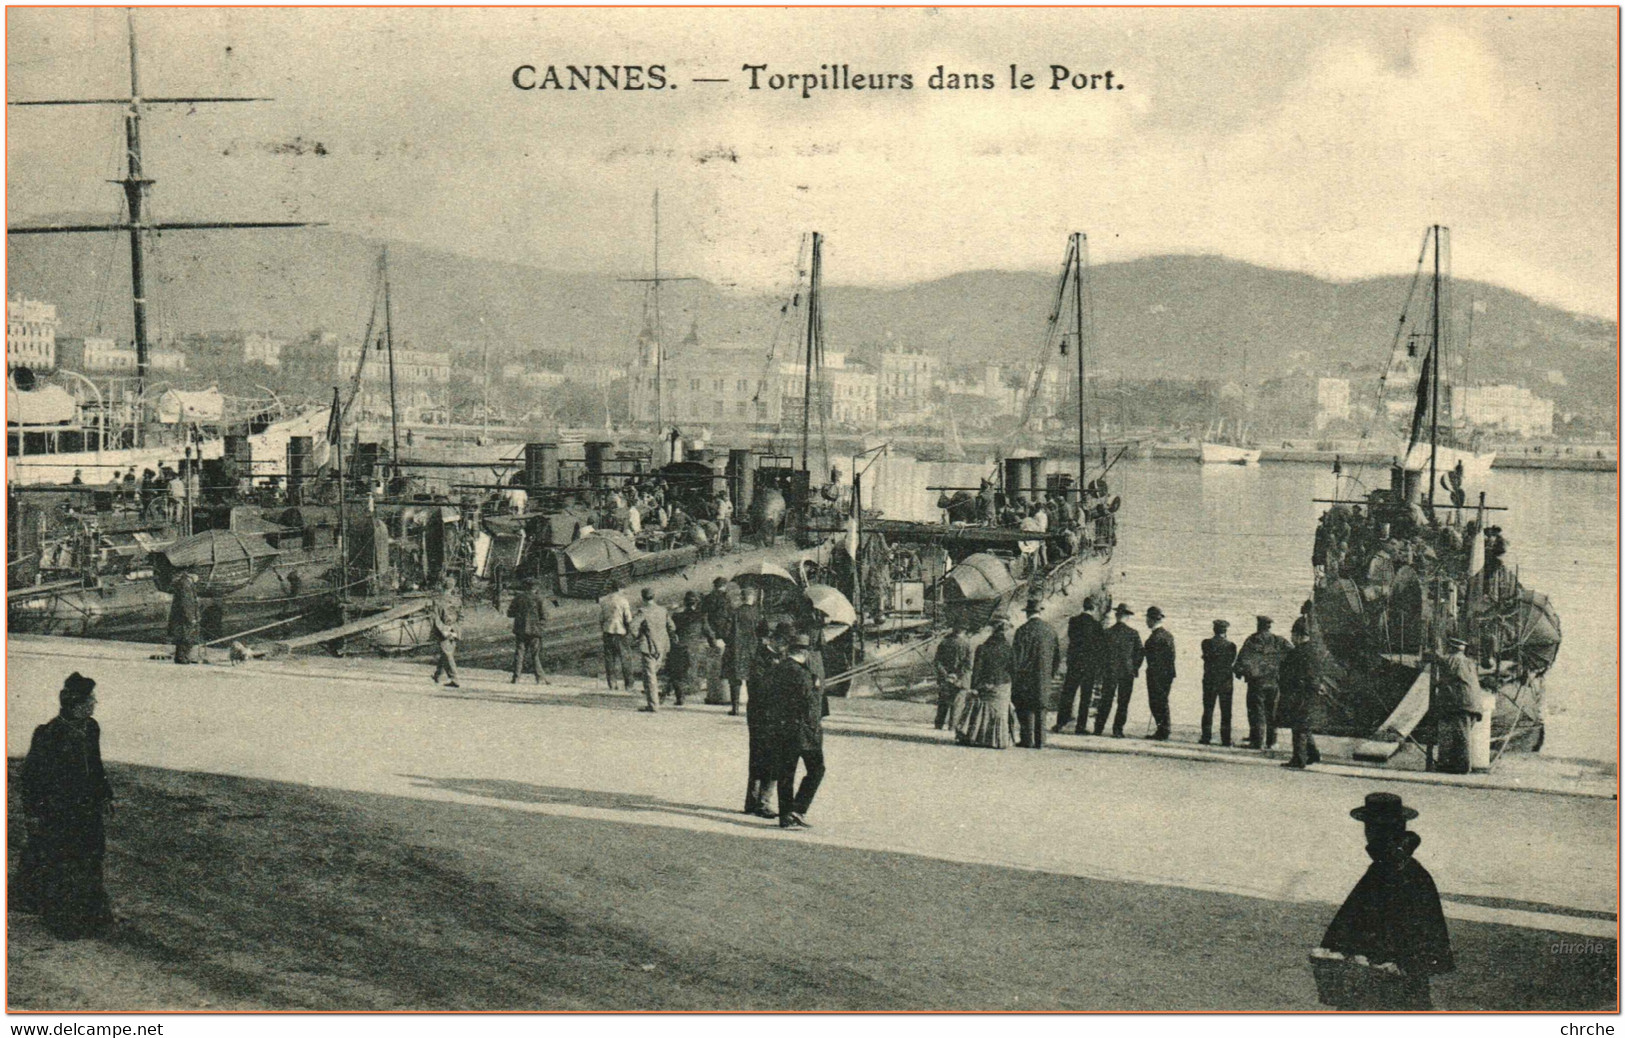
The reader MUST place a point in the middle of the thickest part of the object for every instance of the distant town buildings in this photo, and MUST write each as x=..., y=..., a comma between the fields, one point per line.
x=531, y=378
x=1331, y=401
x=109, y=356
x=1503, y=408
x=593, y=373
x=100, y=355
x=421, y=378
x=907, y=378
x=259, y=348
x=30, y=334
x=713, y=385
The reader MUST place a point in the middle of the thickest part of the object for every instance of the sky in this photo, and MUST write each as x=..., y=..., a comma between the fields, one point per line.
x=1318, y=140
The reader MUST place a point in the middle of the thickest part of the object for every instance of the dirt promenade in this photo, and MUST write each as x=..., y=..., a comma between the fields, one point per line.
x=1128, y=880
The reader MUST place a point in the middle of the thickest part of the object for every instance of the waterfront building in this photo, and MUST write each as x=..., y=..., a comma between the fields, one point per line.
x=109, y=356
x=30, y=334
x=736, y=384
x=421, y=381
x=1502, y=408
x=907, y=378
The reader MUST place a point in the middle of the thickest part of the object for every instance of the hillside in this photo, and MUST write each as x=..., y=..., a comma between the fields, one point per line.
x=1167, y=316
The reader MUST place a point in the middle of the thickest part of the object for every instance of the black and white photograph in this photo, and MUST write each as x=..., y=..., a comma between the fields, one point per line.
x=851, y=509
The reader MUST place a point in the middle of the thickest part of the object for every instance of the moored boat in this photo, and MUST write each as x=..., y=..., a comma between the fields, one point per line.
x=1404, y=568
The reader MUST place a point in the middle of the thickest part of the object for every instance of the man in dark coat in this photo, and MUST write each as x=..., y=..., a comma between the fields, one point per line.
x=1124, y=654
x=764, y=718
x=693, y=634
x=65, y=797
x=953, y=667
x=1159, y=672
x=1392, y=916
x=718, y=604
x=529, y=613
x=741, y=640
x=1300, y=682
x=1218, y=681
x=1259, y=663
x=1035, y=656
x=801, y=734
x=185, y=617
x=1455, y=707
x=1085, y=637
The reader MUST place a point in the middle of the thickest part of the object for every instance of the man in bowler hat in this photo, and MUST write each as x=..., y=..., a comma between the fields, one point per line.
x=1035, y=657
x=1124, y=654
x=801, y=734
x=1085, y=637
x=1392, y=917
x=1159, y=672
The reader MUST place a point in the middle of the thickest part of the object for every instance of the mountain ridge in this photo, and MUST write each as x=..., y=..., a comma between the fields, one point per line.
x=1169, y=316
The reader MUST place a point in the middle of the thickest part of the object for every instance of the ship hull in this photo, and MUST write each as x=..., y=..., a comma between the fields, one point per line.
x=1475, y=467
x=137, y=610
x=1227, y=454
x=1364, y=693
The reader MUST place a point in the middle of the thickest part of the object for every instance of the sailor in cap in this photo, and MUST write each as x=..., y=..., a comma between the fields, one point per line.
x=1456, y=705
x=1392, y=917
x=1218, y=681
x=1259, y=663
x=1124, y=654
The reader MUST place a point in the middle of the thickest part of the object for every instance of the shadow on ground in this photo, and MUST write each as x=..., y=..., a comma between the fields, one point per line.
x=263, y=895
x=527, y=793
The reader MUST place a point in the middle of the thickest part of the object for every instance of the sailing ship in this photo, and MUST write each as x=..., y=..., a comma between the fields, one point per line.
x=1024, y=533
x=51, y=436
x=1403, y=568
x=1228, y=443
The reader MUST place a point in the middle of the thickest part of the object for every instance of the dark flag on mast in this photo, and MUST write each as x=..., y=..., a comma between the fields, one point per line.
x=335, y=422
x=1422, y=415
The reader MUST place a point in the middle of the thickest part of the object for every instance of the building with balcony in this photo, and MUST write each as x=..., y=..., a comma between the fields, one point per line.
x=421, y=380
x=30, y=334
x=906, y=380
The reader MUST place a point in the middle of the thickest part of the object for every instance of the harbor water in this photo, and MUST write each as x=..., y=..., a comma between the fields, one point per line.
x=1224, y=541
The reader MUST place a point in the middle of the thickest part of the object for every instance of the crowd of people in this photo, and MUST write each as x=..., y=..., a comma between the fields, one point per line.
x=1391, y=928
x=999, y=695
x=775, y=673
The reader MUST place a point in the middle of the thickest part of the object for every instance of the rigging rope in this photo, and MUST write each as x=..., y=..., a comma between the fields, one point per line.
x=1380, y=410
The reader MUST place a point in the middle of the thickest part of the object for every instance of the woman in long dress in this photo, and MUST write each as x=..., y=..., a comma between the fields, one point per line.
x=988, y=718
x=65, y=795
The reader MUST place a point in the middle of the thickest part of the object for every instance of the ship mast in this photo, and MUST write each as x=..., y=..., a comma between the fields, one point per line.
x=136, y=186
x=660, y=346
x=1080, y=245
x=815, y=346
x=389, y=345
x=1438, y=364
